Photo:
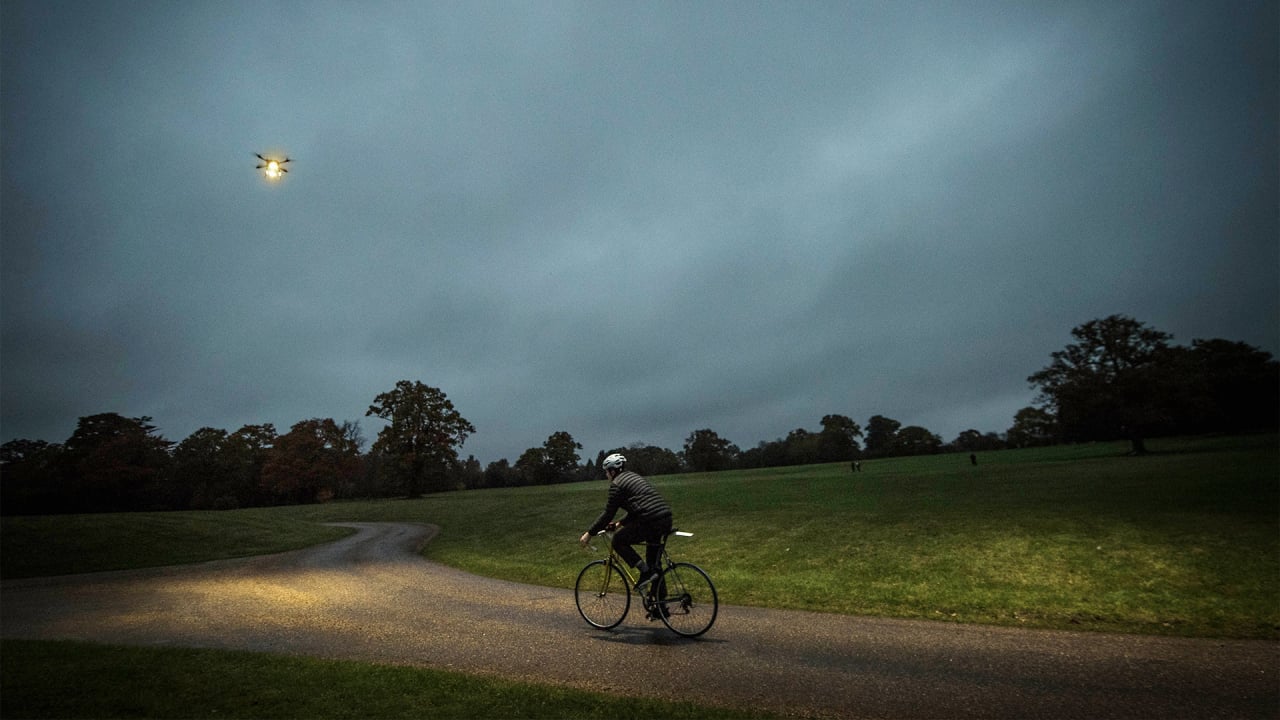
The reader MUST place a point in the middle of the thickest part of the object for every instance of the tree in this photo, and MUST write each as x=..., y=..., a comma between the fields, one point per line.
x=882, y=434
x=118, y=464
x=973, y=441
x=915, y=440
x=249, y=448
x=838, y=440
x=555, y=462
x=1032, y=427
x=202, y=465
x=530, y=468
x=648, y=460
x=802, y=447
x=470, y=475
x=1114, y=382
x=561, y=456
x=423, y=435
x=31, y=478
x=499, y=474
x=312, y=462
x=705, y=451
x=1229, y=387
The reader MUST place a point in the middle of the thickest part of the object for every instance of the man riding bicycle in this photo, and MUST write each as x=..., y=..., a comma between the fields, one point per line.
x=648, y=518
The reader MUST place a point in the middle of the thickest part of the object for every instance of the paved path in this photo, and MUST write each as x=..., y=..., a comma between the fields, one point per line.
x=371, y=597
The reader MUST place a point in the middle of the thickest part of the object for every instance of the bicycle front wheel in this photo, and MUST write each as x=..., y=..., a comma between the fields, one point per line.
x=689, y=604
x=602, y=594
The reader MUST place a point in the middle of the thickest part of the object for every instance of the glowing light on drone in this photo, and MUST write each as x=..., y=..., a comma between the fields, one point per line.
x=273, y=169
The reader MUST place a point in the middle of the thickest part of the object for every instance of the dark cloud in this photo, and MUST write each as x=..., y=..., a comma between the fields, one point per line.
x=627, y=222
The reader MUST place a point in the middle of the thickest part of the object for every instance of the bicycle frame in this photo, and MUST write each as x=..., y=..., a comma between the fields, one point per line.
x=682, y=595
x=650, y=597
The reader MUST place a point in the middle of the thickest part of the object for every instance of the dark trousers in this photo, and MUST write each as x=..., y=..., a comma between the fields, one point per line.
x=647, y=532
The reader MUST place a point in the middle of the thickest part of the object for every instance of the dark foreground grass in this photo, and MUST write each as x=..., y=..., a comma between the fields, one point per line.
x=1185, y=541
x=82, y=680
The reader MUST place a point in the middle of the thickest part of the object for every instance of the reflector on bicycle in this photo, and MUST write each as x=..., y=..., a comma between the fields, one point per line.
x=682, y=533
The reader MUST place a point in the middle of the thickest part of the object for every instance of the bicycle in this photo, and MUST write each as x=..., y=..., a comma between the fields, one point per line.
x=681, y=595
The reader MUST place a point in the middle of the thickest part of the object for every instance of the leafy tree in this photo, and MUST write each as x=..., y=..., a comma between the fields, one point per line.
x=1032, y=427
x=974, y=441
x=203, y=466
x=838, y=440
x=248, y=449
x=118, y=464
x=469, y=473
x=705, y=451
x=882, y=436
x=530, y=467
x=311, y=463
x=1113, y=382
x=31, y=478
x=802, y=447
x=1229, y=387
x=647, y=460
x=765, y=454
x=561, y=455
x=423, y=435
x=500, y=474
x=915, y=440
x=556, y=461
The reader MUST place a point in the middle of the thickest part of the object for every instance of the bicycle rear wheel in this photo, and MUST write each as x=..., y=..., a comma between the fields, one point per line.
x=690, y=604
x=602, y=594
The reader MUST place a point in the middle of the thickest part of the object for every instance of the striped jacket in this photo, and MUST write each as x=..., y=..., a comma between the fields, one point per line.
x=634, y=494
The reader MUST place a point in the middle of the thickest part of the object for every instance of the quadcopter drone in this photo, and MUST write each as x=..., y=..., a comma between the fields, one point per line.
x=274, y=168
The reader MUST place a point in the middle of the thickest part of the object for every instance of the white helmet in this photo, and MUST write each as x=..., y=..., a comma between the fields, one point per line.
x=614, y=462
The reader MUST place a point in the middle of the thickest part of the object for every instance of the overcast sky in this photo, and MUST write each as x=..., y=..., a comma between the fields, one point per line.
x=623, y=220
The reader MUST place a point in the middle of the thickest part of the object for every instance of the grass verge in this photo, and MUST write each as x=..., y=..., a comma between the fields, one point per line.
x=83, y=680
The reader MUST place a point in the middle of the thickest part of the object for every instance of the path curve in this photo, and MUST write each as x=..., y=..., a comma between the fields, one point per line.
x=371, y=597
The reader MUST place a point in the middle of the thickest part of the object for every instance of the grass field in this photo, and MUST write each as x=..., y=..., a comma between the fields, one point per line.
x=83, y=680
x=1185, y=541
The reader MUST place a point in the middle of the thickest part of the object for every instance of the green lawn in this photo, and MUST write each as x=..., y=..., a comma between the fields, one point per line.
x=83, y=680
x=1185, y=541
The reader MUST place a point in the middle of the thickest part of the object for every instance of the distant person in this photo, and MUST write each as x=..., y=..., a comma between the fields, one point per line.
x=648, y=518
x=973, y=458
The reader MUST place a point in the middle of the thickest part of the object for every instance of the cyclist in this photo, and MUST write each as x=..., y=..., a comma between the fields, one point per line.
x=648, y=518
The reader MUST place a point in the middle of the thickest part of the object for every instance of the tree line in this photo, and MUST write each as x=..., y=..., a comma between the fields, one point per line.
x=1120, y=379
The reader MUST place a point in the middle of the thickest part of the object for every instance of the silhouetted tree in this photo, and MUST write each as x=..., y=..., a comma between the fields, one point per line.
x=1227, y=387
x=705, y=451
x=423, y=435
x=118, y=464
x=249, y=448
x=311, y=463
x=838, y=440
x=204, y=467
x=882, y=436
x=915, y=440
x=555, y=462
x=974, y=441
x=1113, y=382
x=1032, y=427
x=32, y=478
x=499, y=473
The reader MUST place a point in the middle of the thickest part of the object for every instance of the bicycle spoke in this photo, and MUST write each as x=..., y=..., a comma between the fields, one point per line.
x=689, y=604
x=602, y=594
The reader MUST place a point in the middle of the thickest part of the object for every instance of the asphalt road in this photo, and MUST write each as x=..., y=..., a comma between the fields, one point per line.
x=371, y=597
